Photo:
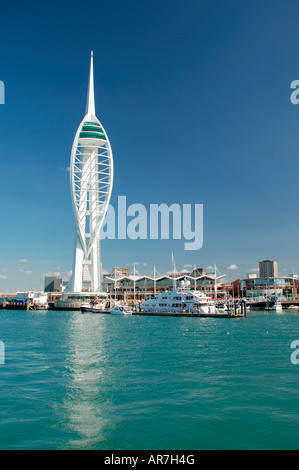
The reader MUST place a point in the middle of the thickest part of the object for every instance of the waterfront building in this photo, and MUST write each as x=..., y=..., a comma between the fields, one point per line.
x=53, y=284
x=136, y=287
x=91, y=178
x=236, y=288
x=266, y=286
x=36, y=298
x=251, y=275
x=268, y=268
x=120, y=272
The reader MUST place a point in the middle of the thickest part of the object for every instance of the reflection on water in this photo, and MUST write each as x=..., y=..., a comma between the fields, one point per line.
x=111, y=382
x=87, y=397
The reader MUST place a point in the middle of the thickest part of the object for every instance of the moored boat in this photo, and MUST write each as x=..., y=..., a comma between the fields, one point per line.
x=181, y=300
x=121, y=310
x=222, y=307
x=277, y=306
x=85, y=307
x=42, y=307
x=294, y=308
x=93, y=307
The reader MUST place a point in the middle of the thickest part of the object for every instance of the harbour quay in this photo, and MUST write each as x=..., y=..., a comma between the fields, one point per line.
x=161, y=295
x=24, y=301
x=195, y=315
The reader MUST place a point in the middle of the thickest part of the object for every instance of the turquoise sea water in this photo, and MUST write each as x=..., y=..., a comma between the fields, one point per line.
x=73, y=381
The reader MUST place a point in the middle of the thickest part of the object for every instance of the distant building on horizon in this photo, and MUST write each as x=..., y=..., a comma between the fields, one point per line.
x=251, y=275
x=54, y=284
x=268, y=268
x=198, y=272
x=120, y=272
x=271, y=286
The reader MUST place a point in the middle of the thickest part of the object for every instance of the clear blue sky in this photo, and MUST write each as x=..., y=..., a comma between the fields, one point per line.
x=195, y=98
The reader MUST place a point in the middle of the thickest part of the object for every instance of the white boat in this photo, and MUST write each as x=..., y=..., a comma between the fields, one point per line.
x=180, y=300
x=294, y=307
x=42, y=307
x=97, y=308
x=85, y=307
x=121, y=310
x=222, y=307
x=93, y=307
x=277, y=306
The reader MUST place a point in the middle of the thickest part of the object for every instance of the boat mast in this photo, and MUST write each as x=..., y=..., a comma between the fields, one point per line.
x=174, y=271
x=294, y=285
x=155, y=276
x=215, y=283
x=115, y=283
x=134, y=282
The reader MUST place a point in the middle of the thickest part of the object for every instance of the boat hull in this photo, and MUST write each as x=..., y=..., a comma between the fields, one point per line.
x=117, y=311
x=93, y=310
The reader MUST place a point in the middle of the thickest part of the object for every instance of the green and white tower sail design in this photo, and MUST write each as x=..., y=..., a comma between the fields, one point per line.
x=91, y=177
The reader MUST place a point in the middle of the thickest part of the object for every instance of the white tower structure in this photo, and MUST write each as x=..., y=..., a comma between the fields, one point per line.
x=91, y=178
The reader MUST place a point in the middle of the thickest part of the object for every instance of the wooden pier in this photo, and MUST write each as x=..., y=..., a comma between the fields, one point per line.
x=18, y=305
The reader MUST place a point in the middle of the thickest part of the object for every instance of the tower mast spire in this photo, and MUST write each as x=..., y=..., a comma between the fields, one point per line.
x=90, y=105
x=91, y=177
